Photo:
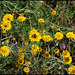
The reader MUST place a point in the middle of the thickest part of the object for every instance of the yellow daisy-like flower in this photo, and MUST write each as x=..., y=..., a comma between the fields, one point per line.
x=8, y=17
x=21, y=55
x=56, y=50
x=41, y=32
x=7, y=41
x=65, y=53
x=21, y=18
x=24, y=48
x=41, y=20
x=45, y=73
x=26, y=69
x=17, y=65
x=25, y=37
x=60, y=72
x=52, y=26
x=47, y=38
x=6, y=26
x=4, y=51
x=20, y=61
x=58, y=28
x=74, y=37
x=44, y=68
x=21, y=14
x=40, y=49
x=71, y=70
x=34, y=36
x=67, y=60
x=42, y=3
x=33, y=31
x=34, y=46
x=58, y=35
x=53, y=12
x=38, y=12
x=70, y=35
x=28, y=63
x=34, y=52
x=26, y=43
x=47, y=55
x=20, y=50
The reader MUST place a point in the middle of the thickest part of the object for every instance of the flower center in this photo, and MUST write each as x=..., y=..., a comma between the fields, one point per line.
x=47, y=55
x=73, y=71
x=5, y=25
x=20, y=61
x=8, y=18
x=67, y=59
x=34, y=36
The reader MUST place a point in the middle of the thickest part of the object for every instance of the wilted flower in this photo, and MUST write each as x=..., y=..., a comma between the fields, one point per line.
x=62, y=46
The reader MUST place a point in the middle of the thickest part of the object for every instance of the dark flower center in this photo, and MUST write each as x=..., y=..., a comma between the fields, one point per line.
x=8, y=18
x=47, y=55
x=5, y=25
x=20, y=61
x=73, y=71
x=34, y=36
x=67, y=59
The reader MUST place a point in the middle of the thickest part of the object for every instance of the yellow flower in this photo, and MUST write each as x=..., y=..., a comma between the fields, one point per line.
x=54, y=12
x=47, y=38
x=20, y=50
x=58, y=28
x=47, y=55
x=41, y=32
x=7, y=41
x=26, y=69
x=4, y=51
x=34, y=46
x=71, y=70
x=24, y=49
x=58, y=35
x=65, y=53
x=38, y=12
x=34, y=52
x=3, y=31
x=60, y=72
x=25, y=37
x=70, y=35
x=44, y=68
x=74, y=37
x=26, y=43
x=33, y=31
x=6, y=26
x=41, y=20
x=42, y=3
x=45, y=73
x=8, y=17
x=34, y=36
x=20, y=61
x=28, y=63
x=56, y=50
x=40, y=49
x=14, y=38
x=52, y=26
x=60, y=67
x=67, y=60
x=21, y=55
x=21, y=18
x=37, y=66
x=21, y=14
x=18, y=65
